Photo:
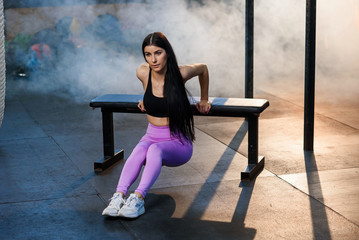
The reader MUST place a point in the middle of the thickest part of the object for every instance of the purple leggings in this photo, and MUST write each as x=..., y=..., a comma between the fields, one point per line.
x=156, y=148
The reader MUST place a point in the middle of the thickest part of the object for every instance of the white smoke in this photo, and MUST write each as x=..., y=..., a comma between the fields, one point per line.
x=213, y=33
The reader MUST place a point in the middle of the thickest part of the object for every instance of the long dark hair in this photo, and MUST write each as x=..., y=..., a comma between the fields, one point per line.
x=179, y=108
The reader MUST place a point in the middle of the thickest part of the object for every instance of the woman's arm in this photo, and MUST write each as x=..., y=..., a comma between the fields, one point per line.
x=142, y=75
x=200, y=70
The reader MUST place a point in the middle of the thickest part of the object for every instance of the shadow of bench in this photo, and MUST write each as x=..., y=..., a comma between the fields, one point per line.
x=221, y=107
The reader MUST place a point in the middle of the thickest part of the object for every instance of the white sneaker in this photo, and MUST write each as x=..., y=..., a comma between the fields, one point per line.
x=116, y=202
x=133, y=207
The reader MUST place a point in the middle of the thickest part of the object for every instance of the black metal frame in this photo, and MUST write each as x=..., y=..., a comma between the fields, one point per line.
x=310, y=45
x=255, y=162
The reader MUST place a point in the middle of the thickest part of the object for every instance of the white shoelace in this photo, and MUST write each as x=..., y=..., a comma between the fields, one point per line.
x=116, y=201
x=132, y=200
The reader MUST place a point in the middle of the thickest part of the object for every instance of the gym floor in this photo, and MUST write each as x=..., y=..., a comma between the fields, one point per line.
x=49, y=190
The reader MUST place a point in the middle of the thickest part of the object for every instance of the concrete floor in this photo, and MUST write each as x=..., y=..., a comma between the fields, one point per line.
x=49, y=190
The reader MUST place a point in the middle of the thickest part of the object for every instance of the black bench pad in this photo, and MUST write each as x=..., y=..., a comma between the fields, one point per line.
x=225, y=107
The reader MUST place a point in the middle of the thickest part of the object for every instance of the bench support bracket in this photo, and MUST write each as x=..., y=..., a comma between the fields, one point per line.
x=106, y=162
x=253, y=170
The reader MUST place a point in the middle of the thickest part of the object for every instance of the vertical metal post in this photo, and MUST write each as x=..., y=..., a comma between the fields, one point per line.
x=309, y=98
x=249, y=49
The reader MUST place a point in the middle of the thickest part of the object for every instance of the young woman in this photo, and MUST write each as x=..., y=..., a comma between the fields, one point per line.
x=170, y=133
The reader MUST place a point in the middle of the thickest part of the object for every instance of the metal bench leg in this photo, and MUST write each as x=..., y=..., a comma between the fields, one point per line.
x=107, y=131
x=255, y=163
x=110, y=157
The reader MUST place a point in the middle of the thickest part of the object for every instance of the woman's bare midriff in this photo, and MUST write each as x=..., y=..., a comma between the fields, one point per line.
x=158, y=121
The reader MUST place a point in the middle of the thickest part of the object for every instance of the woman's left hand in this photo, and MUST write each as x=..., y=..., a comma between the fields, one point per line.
x=203, y=106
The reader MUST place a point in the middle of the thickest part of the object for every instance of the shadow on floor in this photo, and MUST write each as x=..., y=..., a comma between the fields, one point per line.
x=219, y=171
x=319, y=216
x=157, y=223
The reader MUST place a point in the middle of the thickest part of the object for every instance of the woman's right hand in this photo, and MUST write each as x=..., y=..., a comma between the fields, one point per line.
x=141, y=106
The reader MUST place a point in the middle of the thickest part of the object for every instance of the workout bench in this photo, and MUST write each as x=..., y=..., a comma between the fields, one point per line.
x=222, y=107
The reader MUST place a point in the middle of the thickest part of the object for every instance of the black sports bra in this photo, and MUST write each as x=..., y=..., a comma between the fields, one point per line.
x=155, y=106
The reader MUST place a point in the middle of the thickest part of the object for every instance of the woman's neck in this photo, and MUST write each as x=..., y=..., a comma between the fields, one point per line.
x=159, y=76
